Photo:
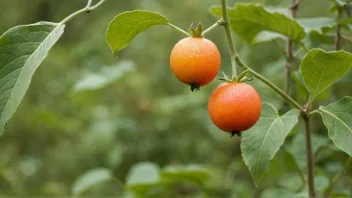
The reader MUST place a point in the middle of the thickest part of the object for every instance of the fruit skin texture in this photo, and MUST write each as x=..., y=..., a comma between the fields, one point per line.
x=234, y=107
x=195, y=61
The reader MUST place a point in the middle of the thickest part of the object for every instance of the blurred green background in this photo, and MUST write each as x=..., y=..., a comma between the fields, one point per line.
x=86, y=110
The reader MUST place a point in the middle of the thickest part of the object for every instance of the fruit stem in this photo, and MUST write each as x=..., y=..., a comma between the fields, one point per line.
x=236, y=59
x=179, y=29
x=226, y=23
x=337, y=177
x=209, y=29
x=270, y=84
x=88, y=8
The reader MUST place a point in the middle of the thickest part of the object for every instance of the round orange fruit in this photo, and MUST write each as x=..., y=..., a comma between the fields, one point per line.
x=234, y=107
x=195, y=61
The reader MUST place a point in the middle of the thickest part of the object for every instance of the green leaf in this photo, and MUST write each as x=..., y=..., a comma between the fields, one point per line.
x=248, y=20
x=266, y=36
x=103, y=78
x=127, y=25
x=142, y=176
x=337, y=118
x=318, y=24
x=320, y=69
x=90, y=179
x=341, y=2
x=284, y=170
x=276, y=192
x=22, y=50
x=260, y=143
x=302, y=94
x=190, y=172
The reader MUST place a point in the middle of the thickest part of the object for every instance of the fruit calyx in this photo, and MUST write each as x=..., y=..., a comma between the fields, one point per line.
x=196, y=33
x=237, y=79
x=195, y=86
x=238, y=133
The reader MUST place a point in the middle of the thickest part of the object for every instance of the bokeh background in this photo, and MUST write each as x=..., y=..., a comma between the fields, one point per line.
x=86, y=110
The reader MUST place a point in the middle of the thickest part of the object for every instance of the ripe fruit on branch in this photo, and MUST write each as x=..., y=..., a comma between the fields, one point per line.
x=195, y=61
x=234, y=107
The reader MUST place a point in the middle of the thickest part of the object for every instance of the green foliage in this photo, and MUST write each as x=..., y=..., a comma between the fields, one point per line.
x=106, y=76
x=190, y=172
x=318, y=24
x=22, y=50
x=152, y=136
x=299, y=152
x=142, y=177
x=248, y=20
x=338, y=119
x=320, y=69
x=260, y=143
x=91, y=179
x=127, y=25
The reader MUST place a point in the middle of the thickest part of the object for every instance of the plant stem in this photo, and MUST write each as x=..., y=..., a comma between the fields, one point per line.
x=215, y=25
x=337, y=38
x=289, y=55
x=225, y=22
x=87, y=9
x=180, y=30
x=310, y=157
x=309, y=114
x=337, y=45
x=89, y=3
x=275, y=88
x=337, y=177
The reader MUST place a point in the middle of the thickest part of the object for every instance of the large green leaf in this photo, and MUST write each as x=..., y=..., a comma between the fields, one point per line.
x=337, y=118
x=22, y=50
x=318, y=24
x=320, y=69
x=302, y=94
x=342, y=2
x=260, y=143
x=248, y=20
x=90, y=179
x=125, y=26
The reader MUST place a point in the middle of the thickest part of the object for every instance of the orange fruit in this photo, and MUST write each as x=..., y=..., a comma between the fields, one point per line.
x=195, y=61
x=234, y=107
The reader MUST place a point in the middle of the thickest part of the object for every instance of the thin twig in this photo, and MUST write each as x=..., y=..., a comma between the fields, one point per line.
x=310, y=157
x=337, y=177
x=337, y=44
x=337, y=37
x=180, y=30
x=289, y=54
x=88, y=8
x=226, y=23
x=215, y=25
